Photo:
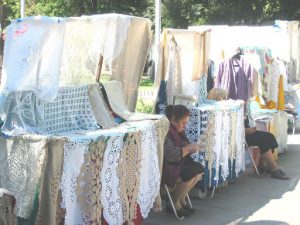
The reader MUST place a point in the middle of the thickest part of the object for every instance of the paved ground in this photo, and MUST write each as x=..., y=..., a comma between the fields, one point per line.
x=251, y=200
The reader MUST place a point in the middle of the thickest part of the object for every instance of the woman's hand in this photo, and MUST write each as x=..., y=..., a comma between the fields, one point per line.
x=190, y=148
x=250, y=130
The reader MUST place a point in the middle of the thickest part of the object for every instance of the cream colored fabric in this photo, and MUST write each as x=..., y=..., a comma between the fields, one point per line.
x=173, y=72
x=116, y=100
x=51, y=213
x=294, y=43
x=101, y=112
x=193, y=49
x=22, y=161
x=85, y=39
x=162, y=127
x=128, y=66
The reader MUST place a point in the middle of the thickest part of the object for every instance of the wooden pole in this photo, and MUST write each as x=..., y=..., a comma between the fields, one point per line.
x=99, y=69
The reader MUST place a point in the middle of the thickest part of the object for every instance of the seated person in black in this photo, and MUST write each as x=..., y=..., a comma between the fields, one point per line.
x=266, y=143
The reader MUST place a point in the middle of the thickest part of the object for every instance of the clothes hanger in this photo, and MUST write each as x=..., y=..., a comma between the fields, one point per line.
x=239, y=53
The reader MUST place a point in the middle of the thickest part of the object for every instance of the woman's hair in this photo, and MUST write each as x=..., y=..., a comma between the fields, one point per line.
x=177, y=111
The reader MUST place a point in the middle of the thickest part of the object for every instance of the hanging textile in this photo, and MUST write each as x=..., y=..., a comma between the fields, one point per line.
x=100, y=109
x=70, y=111
x=149, y=188
x=236, y=77
x=219, y=127
x=74, y=152
x=22, y=162
x=173, y=73
x=23, y=113
x=129, y=65
x=110, y=191
x=51, y=213
x=32, y=55
x=116, y=100
x=128, y=172
x=202, y=95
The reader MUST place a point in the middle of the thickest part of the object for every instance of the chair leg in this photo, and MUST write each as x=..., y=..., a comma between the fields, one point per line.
x=171, y=202
x=212, y=193
x=189, y=200
x=294, y=124
x=255, y=167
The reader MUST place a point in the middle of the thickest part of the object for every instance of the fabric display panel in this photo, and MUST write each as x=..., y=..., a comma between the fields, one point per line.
x=219, y=126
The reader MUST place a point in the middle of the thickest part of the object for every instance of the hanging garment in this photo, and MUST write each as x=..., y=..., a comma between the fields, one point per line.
x=236, y=77
x=173, y=73
x=210, y=76
x=161, y=102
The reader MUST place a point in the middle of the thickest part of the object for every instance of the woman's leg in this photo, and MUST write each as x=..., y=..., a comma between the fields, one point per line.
x=195, y=180
x=269, y=158
x=181, y=188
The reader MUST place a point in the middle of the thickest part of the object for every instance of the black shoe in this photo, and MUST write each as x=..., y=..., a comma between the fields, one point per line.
x=279, y=174
x=189, y=209
x=181, y=213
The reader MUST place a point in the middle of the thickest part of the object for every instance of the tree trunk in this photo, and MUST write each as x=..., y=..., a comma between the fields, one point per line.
x=94, y=6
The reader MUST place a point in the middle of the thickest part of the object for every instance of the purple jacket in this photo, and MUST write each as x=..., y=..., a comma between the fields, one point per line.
x=236, y=77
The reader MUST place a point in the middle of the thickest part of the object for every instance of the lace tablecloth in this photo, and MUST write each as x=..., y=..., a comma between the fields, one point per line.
x=220, y=128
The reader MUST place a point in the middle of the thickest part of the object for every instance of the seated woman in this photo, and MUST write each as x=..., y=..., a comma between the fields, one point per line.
x=266, y=143
x=178, y=166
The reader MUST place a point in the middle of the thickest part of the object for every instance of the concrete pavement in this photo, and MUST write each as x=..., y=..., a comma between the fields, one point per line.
x=251, y=200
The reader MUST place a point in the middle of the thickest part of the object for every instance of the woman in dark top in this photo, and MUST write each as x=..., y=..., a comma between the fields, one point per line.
x=266, y=143
x=178, y=166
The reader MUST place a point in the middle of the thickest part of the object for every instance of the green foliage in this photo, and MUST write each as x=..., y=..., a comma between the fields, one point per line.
x=146, y=82
x=175, y=13
x=144, y=107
